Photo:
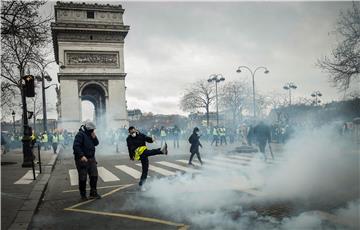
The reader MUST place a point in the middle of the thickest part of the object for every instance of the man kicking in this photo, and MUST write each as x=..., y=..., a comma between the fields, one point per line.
x=136, y=143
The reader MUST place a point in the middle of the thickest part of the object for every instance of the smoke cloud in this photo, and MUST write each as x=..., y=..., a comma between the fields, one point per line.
x=318, y=171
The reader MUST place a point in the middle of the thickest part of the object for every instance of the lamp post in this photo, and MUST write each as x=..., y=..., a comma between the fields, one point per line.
x=316, y=94
x=266, y=71
x=217, y=78
x=289, y=86
x=13, y=115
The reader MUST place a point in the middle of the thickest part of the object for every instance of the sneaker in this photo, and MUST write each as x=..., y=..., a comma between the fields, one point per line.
x=142, y=189
x=94, y=196
x=190, y=164
x=84, y=198
x=164, y=149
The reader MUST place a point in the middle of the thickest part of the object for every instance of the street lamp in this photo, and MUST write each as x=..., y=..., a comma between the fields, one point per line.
x=13, y=115
x=217, y=78
x=289, y=86
x=266, y=71
x=316, y=94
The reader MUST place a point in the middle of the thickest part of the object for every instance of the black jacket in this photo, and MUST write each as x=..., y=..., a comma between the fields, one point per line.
x=194, y=140
x=84, y=144
x=262, y=133
x=135, y=142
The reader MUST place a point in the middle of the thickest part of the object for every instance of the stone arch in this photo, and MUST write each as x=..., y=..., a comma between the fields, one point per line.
x=96, y=94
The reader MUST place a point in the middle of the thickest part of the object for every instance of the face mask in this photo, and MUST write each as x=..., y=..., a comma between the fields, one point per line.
x=133, y=134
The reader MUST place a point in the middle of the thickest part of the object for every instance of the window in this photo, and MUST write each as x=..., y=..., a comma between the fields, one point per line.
x=90, y=14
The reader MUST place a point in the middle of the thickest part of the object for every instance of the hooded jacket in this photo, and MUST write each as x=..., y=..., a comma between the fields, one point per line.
x=194, y=140
x=84, y=144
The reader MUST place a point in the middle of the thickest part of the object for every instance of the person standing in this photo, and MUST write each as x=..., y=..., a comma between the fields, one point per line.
x=194, y=140
x=250, y=135
x=84, y=154
x=176, y=136
x=136, y=143
x=163, y=135
x=215, y=134
x=55, y=141
x=222, y=134
x=263, y=136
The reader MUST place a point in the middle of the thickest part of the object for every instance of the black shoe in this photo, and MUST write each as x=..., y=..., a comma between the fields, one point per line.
x=94, y=196
x=84, y=198
x=190, y=163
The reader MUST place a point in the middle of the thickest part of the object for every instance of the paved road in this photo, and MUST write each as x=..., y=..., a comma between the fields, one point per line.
x=61, y=207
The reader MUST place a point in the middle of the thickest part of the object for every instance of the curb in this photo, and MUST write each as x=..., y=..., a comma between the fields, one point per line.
x=25, y=213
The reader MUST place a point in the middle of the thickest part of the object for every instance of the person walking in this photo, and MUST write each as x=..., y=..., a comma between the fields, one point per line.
x=84, y=153
x=136, y=143
x=194, y=140
x=263, y=136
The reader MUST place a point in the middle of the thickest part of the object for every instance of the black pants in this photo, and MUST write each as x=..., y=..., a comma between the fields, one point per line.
x=192, y=155
x=145, y=163
x=262, y=145
x=54, y=146
x=84, y=169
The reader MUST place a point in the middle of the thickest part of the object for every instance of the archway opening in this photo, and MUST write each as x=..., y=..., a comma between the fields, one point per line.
x=87, y=110
x=94, y=94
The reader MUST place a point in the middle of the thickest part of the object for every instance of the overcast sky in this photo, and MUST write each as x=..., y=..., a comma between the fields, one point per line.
x=173, y=44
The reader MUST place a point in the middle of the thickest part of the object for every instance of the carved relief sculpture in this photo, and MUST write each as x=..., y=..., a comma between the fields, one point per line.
x=85, y=58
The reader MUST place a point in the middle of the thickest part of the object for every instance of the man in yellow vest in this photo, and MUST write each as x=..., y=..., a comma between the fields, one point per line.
x=136, y=143
x=44, y=140
x=55, y=141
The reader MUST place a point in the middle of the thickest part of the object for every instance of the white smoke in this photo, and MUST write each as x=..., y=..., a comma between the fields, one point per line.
x=320, y=170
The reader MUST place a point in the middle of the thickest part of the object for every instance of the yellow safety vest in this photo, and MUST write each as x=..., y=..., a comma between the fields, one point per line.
x=61, y=137
x=215, y=133
x=139, y=151
x=55, y=139
x=163, y=133
x=44, y=138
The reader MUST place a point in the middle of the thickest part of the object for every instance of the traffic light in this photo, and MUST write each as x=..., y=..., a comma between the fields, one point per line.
x=29, y=86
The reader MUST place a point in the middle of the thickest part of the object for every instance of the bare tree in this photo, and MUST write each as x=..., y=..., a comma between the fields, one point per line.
x=277, y=100
x=234, y=96
x=200, y=96
x=24, y=35
x=343, y=64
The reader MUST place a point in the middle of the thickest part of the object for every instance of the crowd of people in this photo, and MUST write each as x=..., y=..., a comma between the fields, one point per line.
x=53, y=140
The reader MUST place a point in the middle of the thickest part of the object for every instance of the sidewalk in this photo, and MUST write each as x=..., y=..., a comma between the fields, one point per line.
x=20, y=194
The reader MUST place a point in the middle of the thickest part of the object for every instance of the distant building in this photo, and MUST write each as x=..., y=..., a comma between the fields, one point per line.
x=134, y=115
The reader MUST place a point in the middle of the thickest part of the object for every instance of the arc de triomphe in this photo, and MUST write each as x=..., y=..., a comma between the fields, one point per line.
x=88, y=44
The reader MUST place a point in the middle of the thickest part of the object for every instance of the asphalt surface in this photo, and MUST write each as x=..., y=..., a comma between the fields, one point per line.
x=61, y=207
x=54, y=212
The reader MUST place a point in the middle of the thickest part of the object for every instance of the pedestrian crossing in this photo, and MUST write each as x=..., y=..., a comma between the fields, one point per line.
x=115, y=173
x=28, y=178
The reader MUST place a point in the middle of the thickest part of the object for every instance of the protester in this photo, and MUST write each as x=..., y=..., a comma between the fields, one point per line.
x=84, y=154
x=136, y=143
x=194, y=140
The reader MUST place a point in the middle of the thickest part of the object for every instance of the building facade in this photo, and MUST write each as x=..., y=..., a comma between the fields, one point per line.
x=88, y=42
